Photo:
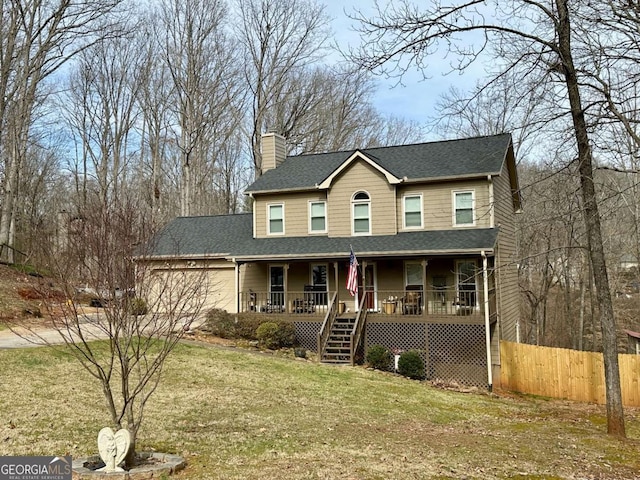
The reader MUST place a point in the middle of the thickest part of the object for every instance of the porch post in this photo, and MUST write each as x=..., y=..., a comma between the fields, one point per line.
x=237, y=284
x=286, y=287
x=487, y=333
x=335, y=277
x=424, y=263
x=364, y=286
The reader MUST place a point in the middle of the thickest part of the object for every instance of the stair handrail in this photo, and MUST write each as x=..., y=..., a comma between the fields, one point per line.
x=358, y=327
x=327, y=325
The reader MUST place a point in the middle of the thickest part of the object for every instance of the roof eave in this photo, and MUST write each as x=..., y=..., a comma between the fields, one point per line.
x=396, y=253
x=451, y=178
x=278, y=190
x=194, y=256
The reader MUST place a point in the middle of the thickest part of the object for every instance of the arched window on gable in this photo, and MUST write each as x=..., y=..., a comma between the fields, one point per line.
x=361, y=213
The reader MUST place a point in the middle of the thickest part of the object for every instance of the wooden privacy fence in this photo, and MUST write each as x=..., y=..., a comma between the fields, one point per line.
x=567, y=374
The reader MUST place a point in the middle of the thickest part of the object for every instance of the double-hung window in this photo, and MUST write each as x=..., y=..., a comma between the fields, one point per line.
x=412, y=211
x=361, y=210
x=276, y=219
x=464, y=206
x=318, y=217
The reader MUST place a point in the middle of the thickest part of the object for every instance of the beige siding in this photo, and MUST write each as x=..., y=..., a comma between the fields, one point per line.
x=437, y=200
x=254, y=276
x=506, y=258
x=360, y=176
x=191, y=285
x=296, y=212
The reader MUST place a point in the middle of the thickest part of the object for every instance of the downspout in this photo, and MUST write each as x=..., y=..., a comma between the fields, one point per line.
x=492, y=220
x=487, y=333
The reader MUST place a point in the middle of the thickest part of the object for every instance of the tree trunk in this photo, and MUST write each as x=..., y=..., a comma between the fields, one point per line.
x=615, y=415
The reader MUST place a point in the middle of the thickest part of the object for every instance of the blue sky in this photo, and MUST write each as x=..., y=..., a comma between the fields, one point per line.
x=416, y=98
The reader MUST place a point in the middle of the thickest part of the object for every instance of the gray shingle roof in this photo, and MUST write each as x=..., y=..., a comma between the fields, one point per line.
x=231, y=236
x=450, y=158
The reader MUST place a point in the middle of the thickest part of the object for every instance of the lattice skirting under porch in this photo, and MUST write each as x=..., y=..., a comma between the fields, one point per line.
x=452, y=353
x=307, y=334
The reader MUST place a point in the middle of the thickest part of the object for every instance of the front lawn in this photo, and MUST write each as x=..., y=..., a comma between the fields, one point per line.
x=240, y=415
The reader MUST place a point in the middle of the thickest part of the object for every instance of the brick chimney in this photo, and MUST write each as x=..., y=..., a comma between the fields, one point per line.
x=273, y=151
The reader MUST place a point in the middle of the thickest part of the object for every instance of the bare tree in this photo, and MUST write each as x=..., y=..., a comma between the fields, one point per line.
x=332, y=109
x=36, y=38
x=199, y=58
x=146, y=306
x=536, y=39
x=101, y=109
x=279, y=39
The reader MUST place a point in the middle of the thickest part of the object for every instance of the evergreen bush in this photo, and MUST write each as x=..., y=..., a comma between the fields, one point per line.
x=268, y=335
x=410, y=365
x=378, y=357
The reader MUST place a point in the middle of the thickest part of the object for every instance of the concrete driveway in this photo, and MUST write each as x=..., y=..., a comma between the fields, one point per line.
x=23, y=338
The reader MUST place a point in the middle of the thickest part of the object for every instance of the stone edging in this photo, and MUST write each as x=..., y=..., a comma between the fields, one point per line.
x=168, y=464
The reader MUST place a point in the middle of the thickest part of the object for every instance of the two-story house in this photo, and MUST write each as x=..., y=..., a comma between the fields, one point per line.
x=432, y=226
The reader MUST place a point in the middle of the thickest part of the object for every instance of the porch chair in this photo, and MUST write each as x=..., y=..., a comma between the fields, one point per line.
x=412, y=301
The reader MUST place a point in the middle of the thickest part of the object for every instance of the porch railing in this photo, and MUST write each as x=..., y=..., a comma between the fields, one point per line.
x=413, y=302
x=326, y=327
x=441, y=301
x=291, y=301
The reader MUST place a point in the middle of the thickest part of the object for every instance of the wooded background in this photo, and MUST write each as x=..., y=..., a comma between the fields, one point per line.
x=163, y=103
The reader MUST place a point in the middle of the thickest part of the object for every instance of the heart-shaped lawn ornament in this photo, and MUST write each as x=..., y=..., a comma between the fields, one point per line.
x=113, y=447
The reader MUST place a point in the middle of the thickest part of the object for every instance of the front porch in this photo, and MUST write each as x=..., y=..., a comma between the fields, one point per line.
x=422, y=305
x=443, y=307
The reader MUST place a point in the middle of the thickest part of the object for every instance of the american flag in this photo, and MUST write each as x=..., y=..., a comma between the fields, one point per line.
x=352, y=276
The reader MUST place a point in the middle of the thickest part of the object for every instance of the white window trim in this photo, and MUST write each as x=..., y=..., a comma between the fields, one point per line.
x=404, y=211
x=269, y=205
x=326, y=219
x=355, y=202
x=473, y=208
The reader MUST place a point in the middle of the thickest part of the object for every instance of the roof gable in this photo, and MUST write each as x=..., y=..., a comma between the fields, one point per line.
x=449, y=159
x=358, y=155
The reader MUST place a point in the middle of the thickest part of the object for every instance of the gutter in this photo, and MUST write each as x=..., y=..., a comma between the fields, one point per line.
x=363, y=253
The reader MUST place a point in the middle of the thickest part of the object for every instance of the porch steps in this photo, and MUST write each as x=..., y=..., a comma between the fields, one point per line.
x=337, y=349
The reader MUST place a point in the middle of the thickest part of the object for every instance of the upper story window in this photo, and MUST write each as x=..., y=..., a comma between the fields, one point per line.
x=361, y=211
x=275, y=220
x=464, y=206
x=412, y=205
x=318, y=217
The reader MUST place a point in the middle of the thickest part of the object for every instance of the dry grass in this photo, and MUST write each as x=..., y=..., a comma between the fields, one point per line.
x=238, y=415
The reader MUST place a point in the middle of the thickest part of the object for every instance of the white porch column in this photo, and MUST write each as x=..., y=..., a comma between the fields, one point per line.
x=362, y=294
x=487, y=333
